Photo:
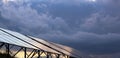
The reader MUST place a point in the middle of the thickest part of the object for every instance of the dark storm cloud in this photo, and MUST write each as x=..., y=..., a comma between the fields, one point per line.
x=102, y=23
x=87, y=26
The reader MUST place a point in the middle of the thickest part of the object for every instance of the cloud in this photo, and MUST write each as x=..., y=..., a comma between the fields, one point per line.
x=25, y=16
x=83, y=27
x=99, y=23
x=87, y=42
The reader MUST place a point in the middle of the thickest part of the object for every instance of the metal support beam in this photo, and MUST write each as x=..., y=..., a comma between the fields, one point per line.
x=7, y=50
x=10, y=47
x=38, y=53
x=47, y=55
x=41, y=52
x=67, y=56
x=58, y=56
x=33, y=54
x=25, y=53
x=17, y=51
x=50, y=55
x=2, y=45
x=30, y=53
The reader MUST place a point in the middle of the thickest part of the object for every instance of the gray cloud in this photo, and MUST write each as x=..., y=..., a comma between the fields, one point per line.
x=99, y=23
x=26, y=17
x=83, y=26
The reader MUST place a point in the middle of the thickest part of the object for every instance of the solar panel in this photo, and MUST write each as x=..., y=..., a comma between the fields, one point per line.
x=66, y=50
x=15, y=38
x=26, y=39
x=71, y=51
x=12, y=40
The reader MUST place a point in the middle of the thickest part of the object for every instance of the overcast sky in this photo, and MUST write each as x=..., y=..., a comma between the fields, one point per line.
x=91, y=26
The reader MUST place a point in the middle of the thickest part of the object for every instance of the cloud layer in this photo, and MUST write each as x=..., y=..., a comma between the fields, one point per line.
x=87, y=26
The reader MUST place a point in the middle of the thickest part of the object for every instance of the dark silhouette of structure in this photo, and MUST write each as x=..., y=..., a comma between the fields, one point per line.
x=5, y=56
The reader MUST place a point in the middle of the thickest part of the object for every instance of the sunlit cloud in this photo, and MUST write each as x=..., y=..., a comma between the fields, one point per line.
x=91, y=0
x=6, y=1
x=15, y=1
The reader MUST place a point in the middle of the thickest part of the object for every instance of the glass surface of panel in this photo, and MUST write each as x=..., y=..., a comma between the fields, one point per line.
x=29, y=41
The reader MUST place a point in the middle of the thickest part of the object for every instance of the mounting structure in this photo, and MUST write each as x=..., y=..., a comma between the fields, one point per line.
x=13, y=43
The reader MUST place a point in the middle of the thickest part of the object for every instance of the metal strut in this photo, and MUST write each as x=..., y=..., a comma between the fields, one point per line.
x=25, y=49
x=2, y=45
x=7, y=50
x=17, y=52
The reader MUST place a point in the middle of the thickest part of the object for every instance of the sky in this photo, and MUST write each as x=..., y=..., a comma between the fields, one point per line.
x=90, y=26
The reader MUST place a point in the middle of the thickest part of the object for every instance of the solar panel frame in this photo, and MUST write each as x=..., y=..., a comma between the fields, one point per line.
x=28, y=40
x=9, y=39
x=65, y=49
x=16, y=38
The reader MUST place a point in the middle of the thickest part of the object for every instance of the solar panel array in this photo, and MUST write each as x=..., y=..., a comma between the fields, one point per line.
x=18, y=39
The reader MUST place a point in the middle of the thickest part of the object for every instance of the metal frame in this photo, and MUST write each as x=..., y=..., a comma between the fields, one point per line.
x=8, y=50
x=34, y=53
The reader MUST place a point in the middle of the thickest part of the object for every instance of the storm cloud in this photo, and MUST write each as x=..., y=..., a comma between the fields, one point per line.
x=91, y=27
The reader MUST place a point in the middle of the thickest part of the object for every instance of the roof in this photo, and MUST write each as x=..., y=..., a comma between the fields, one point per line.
x=16, y=38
